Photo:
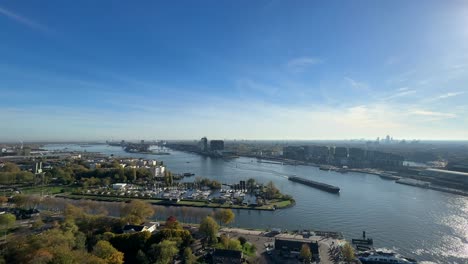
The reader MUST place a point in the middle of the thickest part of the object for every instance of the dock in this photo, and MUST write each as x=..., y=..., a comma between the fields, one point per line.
x=315, y=184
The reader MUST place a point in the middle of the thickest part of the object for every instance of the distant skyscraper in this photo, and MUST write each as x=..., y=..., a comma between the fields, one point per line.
x=204, y=144
x=216, y=145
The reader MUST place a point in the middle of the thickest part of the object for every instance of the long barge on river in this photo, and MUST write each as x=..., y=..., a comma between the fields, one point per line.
x=318, y=185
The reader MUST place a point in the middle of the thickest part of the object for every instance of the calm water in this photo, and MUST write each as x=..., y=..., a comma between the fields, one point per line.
x=420, y=223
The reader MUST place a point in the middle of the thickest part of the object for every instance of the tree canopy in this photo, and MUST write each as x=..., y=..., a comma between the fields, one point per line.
x=209, y=228
x=348, y=252
x=136, y=212
x=225, y=216
x=165, y=251
x=106, y=251
x=306, y=255
x=7, y=220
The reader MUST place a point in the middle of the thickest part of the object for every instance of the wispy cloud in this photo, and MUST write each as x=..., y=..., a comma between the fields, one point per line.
x=432, y=114
x=250, y=85
x=451, y=94
x=302, y=63
x=357, y=84
x=401, y=92
x=23, y=20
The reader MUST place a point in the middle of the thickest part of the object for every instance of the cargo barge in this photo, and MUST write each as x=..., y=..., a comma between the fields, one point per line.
x=318, y=185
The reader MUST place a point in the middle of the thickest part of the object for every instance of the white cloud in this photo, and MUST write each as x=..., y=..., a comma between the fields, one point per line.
x=23, y=20
x=302, y=63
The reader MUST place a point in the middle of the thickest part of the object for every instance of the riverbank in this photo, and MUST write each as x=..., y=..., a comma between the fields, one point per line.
x=278, y=204
x=388, y=175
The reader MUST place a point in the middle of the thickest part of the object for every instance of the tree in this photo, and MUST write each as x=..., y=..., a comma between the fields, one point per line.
x=348, y=252
x=165, y=251
x=129, y=244
x=251, y=184
x=38, y=223
x=141, y=257
x=234, y=244
x=3, y=199
x=189, y=258
x=7, y=220
x=224, y=241
x=9, y=167
x=136, y=212
x=306, y=255
x=224, y=216
x=19, y=200
x=172, y=223
x=242, y=240
x=271, y=190
x=106, y=251
x=209, y=228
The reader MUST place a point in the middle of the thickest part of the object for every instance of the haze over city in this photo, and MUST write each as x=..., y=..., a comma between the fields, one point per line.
x=90, y=70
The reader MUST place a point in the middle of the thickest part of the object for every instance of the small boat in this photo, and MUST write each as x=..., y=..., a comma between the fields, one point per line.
x=378, y=257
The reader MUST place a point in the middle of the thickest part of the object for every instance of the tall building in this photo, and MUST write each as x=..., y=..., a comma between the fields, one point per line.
x=294, y=152
x=203, y=144
x=216, y=145
x=387, y=139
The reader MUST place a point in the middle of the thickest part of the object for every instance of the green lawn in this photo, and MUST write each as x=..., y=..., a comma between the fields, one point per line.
x=45, y=190
x=281, y=204
x=277, y=203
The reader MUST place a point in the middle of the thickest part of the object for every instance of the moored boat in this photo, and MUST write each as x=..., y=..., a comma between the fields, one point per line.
x=378, y=257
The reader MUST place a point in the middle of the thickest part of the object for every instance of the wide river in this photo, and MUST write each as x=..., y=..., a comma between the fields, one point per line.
x=425, y=224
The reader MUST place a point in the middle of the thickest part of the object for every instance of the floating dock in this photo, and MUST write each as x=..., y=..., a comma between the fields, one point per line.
x=318, y=185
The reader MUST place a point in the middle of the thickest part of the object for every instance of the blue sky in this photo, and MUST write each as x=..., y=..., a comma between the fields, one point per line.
x=85, y=70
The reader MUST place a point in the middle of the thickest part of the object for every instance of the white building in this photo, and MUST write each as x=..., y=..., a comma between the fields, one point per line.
x=158, y=171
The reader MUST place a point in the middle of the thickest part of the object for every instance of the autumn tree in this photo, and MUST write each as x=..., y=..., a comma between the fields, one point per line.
x=189, y=258
x=164, y=252
x=271, y=191
x=7, y=220
x=209, y=228
x=20, y=200
x=9, y=167
x=234, y=244
x=172, y=223
x=136, y=212
x=306, y=255
x=106, y=251
x=348, y=252
x=224, y=216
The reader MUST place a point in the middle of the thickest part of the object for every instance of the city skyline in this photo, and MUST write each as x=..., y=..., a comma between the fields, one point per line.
x=224, y=70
